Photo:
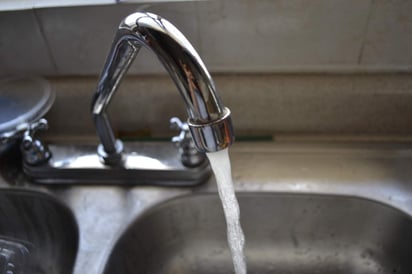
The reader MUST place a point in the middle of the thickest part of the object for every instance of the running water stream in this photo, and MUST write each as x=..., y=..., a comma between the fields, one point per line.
x=220, y=164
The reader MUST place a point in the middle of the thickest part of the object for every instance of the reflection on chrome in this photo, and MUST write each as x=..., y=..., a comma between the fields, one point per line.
x=133, y=161
x=144, y=162
x=86, y=161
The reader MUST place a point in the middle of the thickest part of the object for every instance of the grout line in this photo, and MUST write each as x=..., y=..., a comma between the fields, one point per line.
x=293, y=138
x=326, y=70
x=361, y=138
x=366, y=31
x=46, y=41
x=199, y=37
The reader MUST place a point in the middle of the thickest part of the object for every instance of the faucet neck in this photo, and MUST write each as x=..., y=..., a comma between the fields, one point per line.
x=181, y=61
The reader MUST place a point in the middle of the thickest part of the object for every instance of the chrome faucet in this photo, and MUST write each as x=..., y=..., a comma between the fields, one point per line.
x=209, y=121
x=167, y=164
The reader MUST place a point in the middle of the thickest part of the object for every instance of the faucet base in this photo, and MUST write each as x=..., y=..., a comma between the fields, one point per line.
x=144, y=163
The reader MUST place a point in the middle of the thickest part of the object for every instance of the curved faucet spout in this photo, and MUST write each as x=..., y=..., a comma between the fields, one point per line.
x=209, y=121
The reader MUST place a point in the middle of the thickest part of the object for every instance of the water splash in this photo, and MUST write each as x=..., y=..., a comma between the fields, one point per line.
x=220, y=164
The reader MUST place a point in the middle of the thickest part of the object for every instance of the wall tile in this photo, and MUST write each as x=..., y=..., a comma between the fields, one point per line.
x=22, y=48
x=319, y=104
x=143, y=104
x=248, y=35
x=230, y=36
x=80, y=37
x=388, y=40
x=260, y=104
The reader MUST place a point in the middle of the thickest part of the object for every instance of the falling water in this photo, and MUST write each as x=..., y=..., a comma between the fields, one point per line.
x=221, y=167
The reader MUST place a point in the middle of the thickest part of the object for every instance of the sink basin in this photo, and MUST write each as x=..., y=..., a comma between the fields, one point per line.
x=285, y=233
x=38, y=235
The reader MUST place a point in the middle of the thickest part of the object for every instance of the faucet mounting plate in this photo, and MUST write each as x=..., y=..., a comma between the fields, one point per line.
x=143, y=163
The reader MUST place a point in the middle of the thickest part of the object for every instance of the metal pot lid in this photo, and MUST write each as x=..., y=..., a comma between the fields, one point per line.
x=23, y=100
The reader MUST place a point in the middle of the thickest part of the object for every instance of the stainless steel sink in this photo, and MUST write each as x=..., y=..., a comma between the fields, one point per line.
x=285, y=233
x=306, y=209
x=38, y=234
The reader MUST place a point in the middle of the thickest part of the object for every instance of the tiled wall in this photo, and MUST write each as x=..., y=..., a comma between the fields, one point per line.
x=230, y=35
x=262, y=105
x=282, y=66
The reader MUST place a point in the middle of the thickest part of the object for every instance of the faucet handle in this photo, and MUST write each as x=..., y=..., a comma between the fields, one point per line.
x=33, y=149
x=177, y=124
x=189, y=155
